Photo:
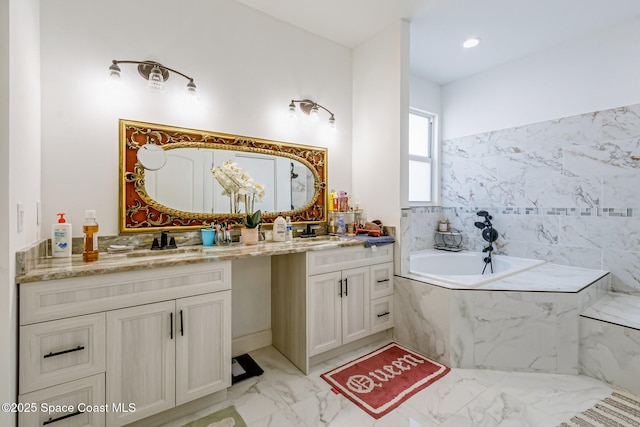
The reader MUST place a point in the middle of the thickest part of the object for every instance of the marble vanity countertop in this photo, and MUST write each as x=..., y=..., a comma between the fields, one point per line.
x=48, y=268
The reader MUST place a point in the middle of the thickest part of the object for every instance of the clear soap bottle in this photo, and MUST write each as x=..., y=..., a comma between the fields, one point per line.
x=90, y=230
x=342, y=229
x=289, y=230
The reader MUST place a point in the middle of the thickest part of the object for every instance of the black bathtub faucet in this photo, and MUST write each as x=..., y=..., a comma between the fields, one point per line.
x=489, y=234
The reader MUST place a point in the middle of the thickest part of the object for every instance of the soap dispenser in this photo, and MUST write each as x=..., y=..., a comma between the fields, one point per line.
x=279, y=229
x=61, y=238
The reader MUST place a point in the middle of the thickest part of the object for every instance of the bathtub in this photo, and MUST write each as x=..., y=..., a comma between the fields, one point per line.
x=463, y=270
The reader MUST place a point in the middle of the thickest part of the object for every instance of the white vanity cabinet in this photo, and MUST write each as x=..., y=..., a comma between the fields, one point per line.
x=339, y=310
x=137, y=342
x=322, y=300
x=166, y=354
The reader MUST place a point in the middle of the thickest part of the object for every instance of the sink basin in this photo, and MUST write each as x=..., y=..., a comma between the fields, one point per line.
x=148, y=252
x=321, y=239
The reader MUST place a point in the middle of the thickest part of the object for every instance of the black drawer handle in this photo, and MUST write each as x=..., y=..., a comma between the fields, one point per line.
x=383, y=280
x=58, y=353
x=384, y=314
x=64, y=417
x=346, y=287
x=340, y=282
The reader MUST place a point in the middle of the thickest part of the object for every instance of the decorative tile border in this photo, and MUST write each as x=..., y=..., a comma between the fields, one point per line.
x=595, y=212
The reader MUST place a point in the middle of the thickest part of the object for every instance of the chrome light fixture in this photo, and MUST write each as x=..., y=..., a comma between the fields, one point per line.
x=311, y=109
x=155, y=74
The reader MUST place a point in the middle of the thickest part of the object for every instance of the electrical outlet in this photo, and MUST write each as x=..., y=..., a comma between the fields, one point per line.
x=20, y=213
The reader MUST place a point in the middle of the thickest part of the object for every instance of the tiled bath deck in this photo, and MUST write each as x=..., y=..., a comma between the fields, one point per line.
x=617, y=309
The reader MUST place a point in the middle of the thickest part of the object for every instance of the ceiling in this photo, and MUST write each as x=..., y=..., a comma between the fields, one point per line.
x=508, y=29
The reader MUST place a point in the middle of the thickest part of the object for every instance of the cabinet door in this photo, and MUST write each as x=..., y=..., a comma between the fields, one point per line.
x=140, y=361
x=356, y=304
x=324, y=314
x=203, y=345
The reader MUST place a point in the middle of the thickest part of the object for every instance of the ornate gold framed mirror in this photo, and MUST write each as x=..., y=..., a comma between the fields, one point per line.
x=170, y=184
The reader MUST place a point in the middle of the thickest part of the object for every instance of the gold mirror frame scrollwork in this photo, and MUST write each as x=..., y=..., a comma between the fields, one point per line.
x=138, y=212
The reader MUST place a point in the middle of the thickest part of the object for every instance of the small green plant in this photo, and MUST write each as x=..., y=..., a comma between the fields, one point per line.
x=253, y=221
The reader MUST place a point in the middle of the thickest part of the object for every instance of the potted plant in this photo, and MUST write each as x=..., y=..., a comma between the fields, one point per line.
x=250, y=231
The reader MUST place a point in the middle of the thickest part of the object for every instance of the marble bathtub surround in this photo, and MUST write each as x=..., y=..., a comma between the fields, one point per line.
x=609, y=352
x=526, y=322
x=562, y=190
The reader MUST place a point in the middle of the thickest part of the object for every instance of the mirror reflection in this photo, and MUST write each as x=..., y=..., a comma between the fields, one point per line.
x=186, y=182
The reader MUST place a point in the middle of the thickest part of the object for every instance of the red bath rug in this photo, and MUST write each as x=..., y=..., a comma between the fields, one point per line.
x=380, y=381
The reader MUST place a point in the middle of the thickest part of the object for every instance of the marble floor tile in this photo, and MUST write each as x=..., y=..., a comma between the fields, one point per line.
x=284, y=397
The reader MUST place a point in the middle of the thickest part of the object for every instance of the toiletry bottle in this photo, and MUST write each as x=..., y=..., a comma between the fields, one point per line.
x=90, y=229
x=279, y=229
x=332, y=226
x=331, y=196
x=341, y=227
x=61, y=238
x=289, y=228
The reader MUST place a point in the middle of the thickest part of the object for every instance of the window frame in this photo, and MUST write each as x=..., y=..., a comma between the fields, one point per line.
x=433, y=159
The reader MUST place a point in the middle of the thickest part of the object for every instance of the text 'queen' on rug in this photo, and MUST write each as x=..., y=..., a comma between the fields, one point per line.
x=380, y=381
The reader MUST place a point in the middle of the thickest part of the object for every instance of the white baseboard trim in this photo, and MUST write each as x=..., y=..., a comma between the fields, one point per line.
x=250, y=342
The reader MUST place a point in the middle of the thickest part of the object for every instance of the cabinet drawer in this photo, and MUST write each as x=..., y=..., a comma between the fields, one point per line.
x=82, y=400
x=61, y=350
x=381, y=280
x=381, y=314
x=319, y=262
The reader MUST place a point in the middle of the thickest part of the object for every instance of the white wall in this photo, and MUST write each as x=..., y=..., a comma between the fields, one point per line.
x=247, y=67
x=593, y=73
x=380, y=121
x=7, y=358
x=425, y=95
x=20, y=165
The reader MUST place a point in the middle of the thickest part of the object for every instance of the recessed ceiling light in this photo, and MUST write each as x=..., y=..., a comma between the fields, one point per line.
x=472, y=42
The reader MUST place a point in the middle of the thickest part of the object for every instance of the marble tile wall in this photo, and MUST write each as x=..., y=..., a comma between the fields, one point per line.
x=566, y=191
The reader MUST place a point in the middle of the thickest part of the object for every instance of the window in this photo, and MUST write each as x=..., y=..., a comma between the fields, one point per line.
x=421, y=150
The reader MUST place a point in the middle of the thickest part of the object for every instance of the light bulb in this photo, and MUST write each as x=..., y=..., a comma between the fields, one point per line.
x=314, y=113
x=332, y=122
x=191, y=89
x=156, y=81
x=292, y=110
x=114, y=71
x=472, y=42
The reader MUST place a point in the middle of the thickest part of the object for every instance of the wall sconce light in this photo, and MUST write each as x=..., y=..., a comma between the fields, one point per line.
x=155, y=74
x=310, y=108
